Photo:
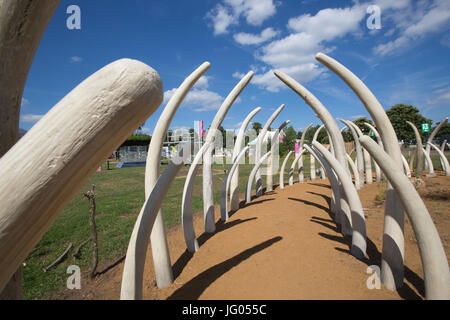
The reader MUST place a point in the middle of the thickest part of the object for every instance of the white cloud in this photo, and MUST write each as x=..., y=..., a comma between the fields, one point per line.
x=426, y=19
x=329, y=23
x=237, y=125
x=302, y=73
x=441, y=96
x=31, y=118
x=238, y=75
x=311, y=33
x=221, y=19
x=445, y=41
x=75, y=59
x=202, y=83
x=252, y=39
x=295, y=53
x=25, y=102
x=146, y=130
x=255, y=13
x=292, y=50
x=201, y=99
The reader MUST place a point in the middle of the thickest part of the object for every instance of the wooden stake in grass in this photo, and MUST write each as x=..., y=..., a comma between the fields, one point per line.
x=78, y=249
x=91, y=196
x=60, y=258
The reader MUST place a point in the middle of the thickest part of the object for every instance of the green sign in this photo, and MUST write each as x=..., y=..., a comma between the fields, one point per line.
x=425, y=127
x=372, y=134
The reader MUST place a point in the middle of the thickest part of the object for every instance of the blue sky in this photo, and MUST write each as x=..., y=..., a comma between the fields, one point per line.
x=406, y=61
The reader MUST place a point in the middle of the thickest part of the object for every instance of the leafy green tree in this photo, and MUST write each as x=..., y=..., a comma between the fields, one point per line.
x=257, y=127
x=444, y=131
x=299, y=134
x=288, y=143
x=360, y=123
x=348, y=137
x=399, y=114
x=322, y=137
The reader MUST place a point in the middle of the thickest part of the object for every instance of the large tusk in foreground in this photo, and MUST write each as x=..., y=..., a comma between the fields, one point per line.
x=86, y=126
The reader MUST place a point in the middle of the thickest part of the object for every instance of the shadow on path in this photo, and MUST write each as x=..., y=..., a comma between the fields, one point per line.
x=374, y=258
x=195, y=287
x=310, y=203
x=243, y=204
x=183, y=260
x=373, y=255
x=327, y=198
x=320, y=185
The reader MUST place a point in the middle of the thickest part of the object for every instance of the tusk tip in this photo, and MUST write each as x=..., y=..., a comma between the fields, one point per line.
x=278, y=73
x=320, y=55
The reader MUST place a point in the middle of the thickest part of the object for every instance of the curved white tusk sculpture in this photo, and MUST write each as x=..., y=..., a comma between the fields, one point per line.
x=259, y=145
x=252, y=177
x=316, y=134
x=419, y=148
x=355, y=172
x=187, y=222
x=392, y=268
x=380, y=143
x=367, y=159
x=358, y=149
x=433, y=134
x=442, y=150
x=329, y=122
x=312, y=162
x=322, y=112
x=331, y=143
x=335, y=185
x=406, y=167
x=431, y=173
x=160, y=250
x=358, y=221
x=22, y=25
x=239, y=144
x=133, y=270
x=226, y=184
x=292, y=169
x=274, y=142
x=314, y=155
x=443, y=159
x=301, y=176
x=208, y=190
x=282, y=169
x=434, y=259
x=86, y=125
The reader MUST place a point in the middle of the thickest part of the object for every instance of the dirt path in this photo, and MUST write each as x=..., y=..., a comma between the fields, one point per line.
x=284, y=245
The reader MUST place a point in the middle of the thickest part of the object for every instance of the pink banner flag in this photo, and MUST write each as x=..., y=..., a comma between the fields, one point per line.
x=297, y=148
x=200, y=127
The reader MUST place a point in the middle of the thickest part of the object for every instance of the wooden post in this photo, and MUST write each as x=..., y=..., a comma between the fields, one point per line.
x=90, y=195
